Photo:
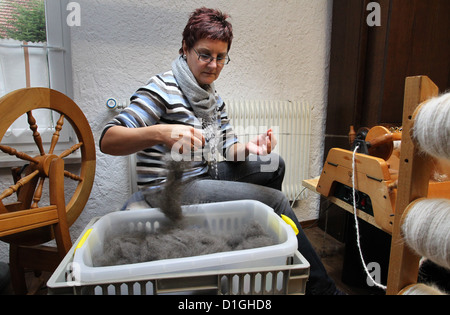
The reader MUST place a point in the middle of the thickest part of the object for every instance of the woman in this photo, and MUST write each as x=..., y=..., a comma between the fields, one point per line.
x=179, y=113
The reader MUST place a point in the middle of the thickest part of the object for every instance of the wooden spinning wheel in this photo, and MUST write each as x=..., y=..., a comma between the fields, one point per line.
x=29, y=187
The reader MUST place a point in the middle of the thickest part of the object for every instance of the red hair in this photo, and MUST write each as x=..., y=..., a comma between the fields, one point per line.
x=207, y=23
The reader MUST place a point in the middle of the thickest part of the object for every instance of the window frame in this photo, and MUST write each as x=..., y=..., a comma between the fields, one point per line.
x=58, y=47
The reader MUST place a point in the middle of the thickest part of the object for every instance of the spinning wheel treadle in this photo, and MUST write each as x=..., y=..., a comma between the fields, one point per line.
x=30, y=187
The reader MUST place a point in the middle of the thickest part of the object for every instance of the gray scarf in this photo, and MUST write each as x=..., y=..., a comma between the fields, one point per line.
x=202, y=100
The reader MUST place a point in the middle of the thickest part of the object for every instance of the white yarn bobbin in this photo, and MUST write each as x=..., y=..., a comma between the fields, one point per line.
x=420, y=289
x=431, y=128
x=426, y=229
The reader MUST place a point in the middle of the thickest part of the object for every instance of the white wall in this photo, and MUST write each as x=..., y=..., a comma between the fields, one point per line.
x=280, y=51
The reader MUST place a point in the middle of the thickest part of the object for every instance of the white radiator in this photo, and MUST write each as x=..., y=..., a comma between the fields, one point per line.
x=291, y=124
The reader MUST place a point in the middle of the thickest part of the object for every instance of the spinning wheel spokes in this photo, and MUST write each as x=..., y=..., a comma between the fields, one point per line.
x=14, y=188
x=55, y=137
x=36, y=134
x=38, y=193
x=71, y=150
x=20, y=155
x=40, y=163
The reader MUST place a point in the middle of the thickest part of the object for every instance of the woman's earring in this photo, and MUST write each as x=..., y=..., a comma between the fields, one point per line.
x=184, y=57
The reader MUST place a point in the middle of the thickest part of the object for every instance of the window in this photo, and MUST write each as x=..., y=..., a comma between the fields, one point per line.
x=35, y=52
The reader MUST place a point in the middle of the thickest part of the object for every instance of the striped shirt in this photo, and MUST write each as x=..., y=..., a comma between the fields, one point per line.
x=161, y=101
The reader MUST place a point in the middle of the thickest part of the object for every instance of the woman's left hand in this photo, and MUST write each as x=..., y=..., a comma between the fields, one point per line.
x=263, y=144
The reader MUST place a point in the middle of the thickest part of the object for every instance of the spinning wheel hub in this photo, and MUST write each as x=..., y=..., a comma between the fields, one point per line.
x=44, y=163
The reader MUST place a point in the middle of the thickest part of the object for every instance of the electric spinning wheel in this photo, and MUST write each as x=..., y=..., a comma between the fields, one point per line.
x=29, y=187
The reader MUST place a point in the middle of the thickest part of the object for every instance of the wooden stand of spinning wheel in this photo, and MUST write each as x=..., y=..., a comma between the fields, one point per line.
x=24, y=224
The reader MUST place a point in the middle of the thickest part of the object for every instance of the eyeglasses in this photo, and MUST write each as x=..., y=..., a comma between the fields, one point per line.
x=207, y=58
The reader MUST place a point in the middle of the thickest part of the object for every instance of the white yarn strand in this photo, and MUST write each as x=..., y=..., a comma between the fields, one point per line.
x=357, y=225
x=426, y=230
x=431, y=128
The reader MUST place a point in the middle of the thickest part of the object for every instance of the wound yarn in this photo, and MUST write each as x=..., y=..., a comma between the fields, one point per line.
x=421, y=289
x=431, y=129
x=426, y=229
